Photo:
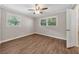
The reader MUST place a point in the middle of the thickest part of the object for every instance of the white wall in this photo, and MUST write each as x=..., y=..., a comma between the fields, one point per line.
x=30, y=26
x=58, y=31
x=25, y=29
x=0, y=24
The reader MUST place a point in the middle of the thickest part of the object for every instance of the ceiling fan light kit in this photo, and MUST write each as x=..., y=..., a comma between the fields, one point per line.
x=38, y=9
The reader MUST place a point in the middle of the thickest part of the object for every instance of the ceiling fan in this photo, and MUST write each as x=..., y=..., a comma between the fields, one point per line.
x=38, y=9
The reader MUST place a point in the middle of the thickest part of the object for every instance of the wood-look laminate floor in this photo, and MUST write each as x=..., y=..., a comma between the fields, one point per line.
x=36, y=44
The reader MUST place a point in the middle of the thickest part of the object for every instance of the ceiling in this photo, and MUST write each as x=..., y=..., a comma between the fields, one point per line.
x=52, y=9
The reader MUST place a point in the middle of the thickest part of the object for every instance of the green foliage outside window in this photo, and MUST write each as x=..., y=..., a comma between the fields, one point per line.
x=43, y=22
x=50, y=21
x=13, y=21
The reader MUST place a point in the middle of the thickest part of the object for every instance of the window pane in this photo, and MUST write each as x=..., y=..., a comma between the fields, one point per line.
x=51, y=21
x=43, y=22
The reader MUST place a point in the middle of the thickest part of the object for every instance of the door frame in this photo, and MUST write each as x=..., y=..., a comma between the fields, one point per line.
x=77, y=17
x=0, y=25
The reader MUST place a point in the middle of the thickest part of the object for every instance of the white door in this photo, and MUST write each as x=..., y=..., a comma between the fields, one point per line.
x=70, y=28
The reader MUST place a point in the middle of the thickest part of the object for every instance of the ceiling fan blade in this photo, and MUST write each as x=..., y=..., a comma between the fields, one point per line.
x=33, y=12
x=44, y=8
x=36, y=4
x=31, y=9
x=41, y=12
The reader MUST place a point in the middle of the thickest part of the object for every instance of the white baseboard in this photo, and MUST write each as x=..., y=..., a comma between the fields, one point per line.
x=14, y=38
x=52, y=36
x=30, y=34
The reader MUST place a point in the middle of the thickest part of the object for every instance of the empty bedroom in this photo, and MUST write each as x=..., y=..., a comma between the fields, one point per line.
x=39, y=29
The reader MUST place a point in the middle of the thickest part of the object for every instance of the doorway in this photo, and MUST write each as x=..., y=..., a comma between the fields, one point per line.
x=72, y=29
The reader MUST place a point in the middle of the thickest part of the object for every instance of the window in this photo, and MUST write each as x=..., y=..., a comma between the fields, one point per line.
x=43, y=22
x=13, y=20
x=50, y=21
